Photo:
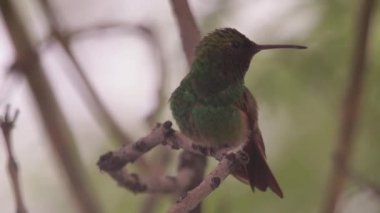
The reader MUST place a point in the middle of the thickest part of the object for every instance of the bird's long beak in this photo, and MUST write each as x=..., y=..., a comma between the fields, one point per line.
x=278, y=46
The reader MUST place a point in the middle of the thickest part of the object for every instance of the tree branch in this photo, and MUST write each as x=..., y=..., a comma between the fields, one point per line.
x=162, y=159
x=114, y=162
x=192, y=173
x=351, y=107
x=212, y=181
x=7, y=124
x=28, y=63
x=190, y=36
x=81, y=81
x=187, y=27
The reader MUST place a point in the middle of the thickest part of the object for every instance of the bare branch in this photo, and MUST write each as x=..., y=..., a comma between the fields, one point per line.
x=162, y=98
x=188, y=29
x=153, y=184
x=80, y=80
x=210, y=183
x=114, y=162
x=164, y=157
x=191, y=170
x=7, y=123
x=161, y=134
x=62, y=141
x=190, y=36
x=351, y=107
x=96, y=30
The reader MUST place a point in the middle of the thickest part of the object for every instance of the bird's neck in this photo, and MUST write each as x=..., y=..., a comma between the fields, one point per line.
x=224, y=95
x=210, y=79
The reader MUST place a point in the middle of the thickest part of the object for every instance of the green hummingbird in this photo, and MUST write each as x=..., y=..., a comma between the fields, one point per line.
x=214, y=108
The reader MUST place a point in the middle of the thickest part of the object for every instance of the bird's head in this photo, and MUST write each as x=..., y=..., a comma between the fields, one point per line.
x=224, y=56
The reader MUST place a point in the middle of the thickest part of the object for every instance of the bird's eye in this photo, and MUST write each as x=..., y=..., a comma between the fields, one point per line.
x=234, y=44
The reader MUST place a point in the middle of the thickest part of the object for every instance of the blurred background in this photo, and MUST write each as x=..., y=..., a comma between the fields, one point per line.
x=131, y=53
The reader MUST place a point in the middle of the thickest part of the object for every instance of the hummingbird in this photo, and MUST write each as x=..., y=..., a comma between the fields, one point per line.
x=214, y=108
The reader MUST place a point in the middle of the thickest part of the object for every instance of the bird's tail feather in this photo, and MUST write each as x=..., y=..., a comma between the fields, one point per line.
x=257, y=172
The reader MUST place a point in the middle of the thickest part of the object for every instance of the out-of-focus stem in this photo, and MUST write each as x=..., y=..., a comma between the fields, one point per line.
x=86, y=89
x=190, y=36
x=62, y=142
x=351, y=109
x=7, y=124
x=188, y=29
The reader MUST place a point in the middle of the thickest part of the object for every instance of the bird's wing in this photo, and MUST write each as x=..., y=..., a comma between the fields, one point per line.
x=247, y=104
x=257, y=171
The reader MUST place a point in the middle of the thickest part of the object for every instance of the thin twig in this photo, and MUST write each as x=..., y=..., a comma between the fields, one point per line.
x=7, y=123
x=127, y=28
x=161, y=134
x=191, y=170
x=151, y=201
x=162, y=98
x=64, y=38
x=351, y=107
x=212, y=181
x=61, y=139
x=94, y=30
x=162, y=159
x=114, y=162
x=190, y=35
x=82, y=83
